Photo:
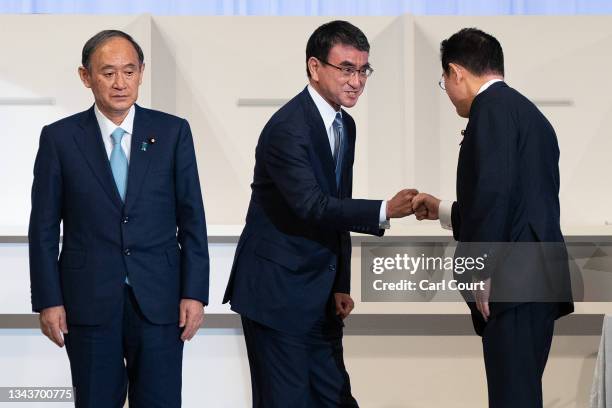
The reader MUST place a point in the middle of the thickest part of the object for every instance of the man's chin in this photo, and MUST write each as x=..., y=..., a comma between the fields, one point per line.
x=462, y=113
x=349, y=102
x=122, y=106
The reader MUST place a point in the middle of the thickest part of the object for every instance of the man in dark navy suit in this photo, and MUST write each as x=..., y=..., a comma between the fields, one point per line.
x=132, y=276
x=290, y=281
x=508, y=207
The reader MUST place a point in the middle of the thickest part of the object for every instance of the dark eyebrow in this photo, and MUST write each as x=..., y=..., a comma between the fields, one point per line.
x=133, y=66
x=351, y=65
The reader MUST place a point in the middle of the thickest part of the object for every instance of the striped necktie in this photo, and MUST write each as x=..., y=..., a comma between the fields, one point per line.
x=338, y=128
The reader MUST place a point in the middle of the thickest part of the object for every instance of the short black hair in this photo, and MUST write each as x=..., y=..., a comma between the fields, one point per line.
x=97, y=40
x=479, y=52
x=329, y=34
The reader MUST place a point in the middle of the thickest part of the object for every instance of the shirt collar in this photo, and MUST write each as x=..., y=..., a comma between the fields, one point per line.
x=328, y=114
x=107, y=127
x=488, y=84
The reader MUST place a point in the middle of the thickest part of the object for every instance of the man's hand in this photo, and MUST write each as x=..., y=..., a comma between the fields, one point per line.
x=401, y=204
x=344, y=304
x=53, y=324
x=482, y=299
x=425, y=207
x=191, y=316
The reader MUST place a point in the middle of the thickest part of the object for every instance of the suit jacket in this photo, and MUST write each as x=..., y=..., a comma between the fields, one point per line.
x=157, y=238
x=508, y=192
x=295, y=249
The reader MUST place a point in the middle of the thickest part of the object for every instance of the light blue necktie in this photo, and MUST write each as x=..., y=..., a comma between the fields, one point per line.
x=119, y=166
x=338, y=127
x=119, y=163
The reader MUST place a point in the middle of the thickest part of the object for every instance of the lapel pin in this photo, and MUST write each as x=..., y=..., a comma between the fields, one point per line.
x=146, y=144
x=462, y=136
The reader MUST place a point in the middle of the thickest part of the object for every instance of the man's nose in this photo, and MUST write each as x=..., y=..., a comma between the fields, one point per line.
x=355, y=80
x=119, y=82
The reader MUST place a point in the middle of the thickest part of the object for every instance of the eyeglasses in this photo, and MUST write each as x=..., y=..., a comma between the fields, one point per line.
x=442, y=83
x=348, y=72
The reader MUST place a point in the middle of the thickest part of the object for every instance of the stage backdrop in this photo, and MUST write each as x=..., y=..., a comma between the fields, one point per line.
x=227, y=75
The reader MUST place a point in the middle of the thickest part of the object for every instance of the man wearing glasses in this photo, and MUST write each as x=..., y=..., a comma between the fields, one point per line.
x=290, y=281
x=507, y=193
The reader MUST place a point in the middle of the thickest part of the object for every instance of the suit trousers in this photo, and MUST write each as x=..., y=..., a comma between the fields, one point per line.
x=298, y=370
x=516, y=344
x=127, y=356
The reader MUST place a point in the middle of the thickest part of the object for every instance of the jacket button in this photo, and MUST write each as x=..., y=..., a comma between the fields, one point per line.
x=125, y=220
x=127, y=252
x=332, y=268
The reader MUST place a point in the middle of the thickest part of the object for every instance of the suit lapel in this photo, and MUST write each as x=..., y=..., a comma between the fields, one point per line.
x=91, y=145
x=139, y=158
x=320, y=140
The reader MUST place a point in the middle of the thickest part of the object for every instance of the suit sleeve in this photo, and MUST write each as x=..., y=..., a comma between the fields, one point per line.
x=379, y=229
x=44, y=228
x=190, y=220
x=290, y=168
x=455, y=220
x=342, y=283
x=485, y=210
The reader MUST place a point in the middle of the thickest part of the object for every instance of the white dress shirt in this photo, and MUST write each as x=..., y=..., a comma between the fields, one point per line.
x=107, y=127
x=328, y=114
x=446, y=207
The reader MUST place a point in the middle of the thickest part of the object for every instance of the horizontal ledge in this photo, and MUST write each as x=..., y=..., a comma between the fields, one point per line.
x=24, y=101
x=376, y=324
x=555, y=103
x=212, y=239
x=356, y=239
x=13, y=239
x=232, y=239
x=229, y=233
x=454, y=325
x=267, y=102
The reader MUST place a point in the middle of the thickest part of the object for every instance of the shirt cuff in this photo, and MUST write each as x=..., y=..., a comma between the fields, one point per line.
x=383, y=222
x=445, y=214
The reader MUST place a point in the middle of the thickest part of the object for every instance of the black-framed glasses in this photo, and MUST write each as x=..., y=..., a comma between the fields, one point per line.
x=349, y=71
x=442, y=83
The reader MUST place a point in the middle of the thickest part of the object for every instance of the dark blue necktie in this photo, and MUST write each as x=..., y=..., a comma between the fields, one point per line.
x=338, y=128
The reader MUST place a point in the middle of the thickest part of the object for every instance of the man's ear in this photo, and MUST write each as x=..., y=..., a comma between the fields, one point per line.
x=142, y=67
x=313, y=67
x=456, y=72
x=84, y=75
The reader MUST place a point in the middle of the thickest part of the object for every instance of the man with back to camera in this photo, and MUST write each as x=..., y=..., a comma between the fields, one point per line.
x=290, y=280
x=507, y=192
x=132, y=277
